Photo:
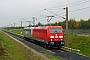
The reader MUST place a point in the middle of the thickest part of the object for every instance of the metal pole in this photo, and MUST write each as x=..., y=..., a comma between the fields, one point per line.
x=14, y=24
x=66, y=26
x=21, y=25
x=33, y=21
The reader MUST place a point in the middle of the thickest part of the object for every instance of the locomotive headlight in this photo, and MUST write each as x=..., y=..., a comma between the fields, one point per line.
x=51, y=40
x=61, y=39
x=51, y=36
x=60, y=36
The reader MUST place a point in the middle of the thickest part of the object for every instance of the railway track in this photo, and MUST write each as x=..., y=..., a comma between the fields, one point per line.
x=63, y=54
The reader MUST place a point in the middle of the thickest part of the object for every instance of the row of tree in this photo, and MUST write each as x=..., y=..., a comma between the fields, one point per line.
x=72, y=24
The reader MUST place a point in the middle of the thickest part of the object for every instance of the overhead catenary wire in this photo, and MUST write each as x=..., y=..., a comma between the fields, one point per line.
x=70, y=4
x=33, y=14
x=84, y=1
x=79, y=9
x=60, y=12
x=72, y=10
x=54, y=13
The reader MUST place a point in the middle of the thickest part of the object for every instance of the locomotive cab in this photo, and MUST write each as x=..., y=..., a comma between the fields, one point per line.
x=56, y=36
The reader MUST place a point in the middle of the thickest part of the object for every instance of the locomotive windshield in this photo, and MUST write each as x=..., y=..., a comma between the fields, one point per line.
x=55, y=30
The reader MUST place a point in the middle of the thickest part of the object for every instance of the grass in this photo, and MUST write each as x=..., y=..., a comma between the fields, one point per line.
x=12, y=50
x=80, y=42
x=8, y=50
x=21, y=32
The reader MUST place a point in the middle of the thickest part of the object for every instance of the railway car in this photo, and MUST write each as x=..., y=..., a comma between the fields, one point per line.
x=28, y=32
x=52, y=36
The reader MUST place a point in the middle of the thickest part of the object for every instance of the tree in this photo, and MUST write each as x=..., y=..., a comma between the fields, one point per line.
x=89, y=22
x=84, y=24
x=71, y=23
x=76, y=25
x=59, y=23
x=55, y=24
x=63, y=24
x=39, y=24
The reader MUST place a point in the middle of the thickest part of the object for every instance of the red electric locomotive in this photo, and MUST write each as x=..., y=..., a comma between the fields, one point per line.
x=52, y=36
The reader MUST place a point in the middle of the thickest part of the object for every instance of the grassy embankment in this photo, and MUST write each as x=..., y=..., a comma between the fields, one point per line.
x=76, y=42
x=11, y=50
x=80, y=42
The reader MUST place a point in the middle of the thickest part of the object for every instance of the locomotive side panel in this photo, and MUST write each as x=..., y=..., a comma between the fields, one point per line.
x=39, y=34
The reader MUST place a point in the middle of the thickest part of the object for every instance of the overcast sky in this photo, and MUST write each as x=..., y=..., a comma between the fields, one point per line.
x=12, y=11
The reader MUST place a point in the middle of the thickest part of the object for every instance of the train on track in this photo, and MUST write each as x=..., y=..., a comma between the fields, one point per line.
x=49, y=36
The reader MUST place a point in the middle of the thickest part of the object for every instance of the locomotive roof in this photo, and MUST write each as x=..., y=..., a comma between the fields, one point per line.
x=41, y=27
x=29, y=27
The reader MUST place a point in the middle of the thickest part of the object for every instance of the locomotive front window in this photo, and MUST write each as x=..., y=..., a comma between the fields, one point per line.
x=55, y=30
